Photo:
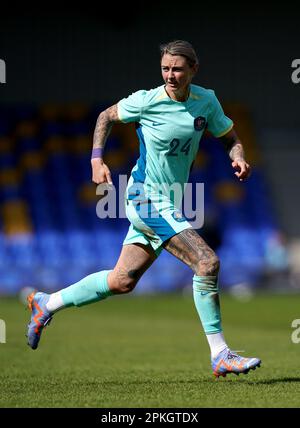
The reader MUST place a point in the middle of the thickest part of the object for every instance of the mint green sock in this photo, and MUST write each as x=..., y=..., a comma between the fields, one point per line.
x=206, y=298
x=88, y=290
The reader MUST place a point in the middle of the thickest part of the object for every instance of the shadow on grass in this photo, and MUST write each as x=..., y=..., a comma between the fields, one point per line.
x=232, y=380
x=275, y=380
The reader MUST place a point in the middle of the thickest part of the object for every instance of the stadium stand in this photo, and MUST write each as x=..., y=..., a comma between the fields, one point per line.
x=50, y=233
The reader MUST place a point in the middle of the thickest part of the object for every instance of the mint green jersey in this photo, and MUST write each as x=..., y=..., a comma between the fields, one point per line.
x=169, y=133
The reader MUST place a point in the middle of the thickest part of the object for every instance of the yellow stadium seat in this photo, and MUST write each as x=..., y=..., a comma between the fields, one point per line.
x=10, y=177
x=15, y=217
x=33, y=160
x=127, y=135
x=116, y=159
x=27, y=128
x=76, y=111
x=6, y=145
x=87, y=194
x=55, y=145
x=51, y=112
x=80, y=144
x=200, y=160
x=229, y=191
x=243, y=124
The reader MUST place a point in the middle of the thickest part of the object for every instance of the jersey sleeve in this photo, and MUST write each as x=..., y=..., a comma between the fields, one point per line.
x=218, y=123
x=130, y=109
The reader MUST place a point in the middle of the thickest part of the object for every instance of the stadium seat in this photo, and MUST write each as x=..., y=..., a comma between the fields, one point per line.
x=50, y=232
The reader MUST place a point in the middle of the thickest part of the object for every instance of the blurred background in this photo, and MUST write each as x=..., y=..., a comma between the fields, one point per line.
x=64, y=66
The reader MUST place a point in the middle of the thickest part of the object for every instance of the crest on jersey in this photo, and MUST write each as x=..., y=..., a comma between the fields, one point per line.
x=199, y=123
x=177, y=215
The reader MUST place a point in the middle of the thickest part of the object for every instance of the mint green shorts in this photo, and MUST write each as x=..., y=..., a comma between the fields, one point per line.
x=151, y=225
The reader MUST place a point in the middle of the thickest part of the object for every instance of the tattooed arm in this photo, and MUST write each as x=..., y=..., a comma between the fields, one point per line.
x=235, y=150
x=104, y=124
x=105, y=121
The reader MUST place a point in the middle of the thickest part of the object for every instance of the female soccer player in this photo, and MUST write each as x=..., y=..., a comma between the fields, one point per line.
x=170, y=121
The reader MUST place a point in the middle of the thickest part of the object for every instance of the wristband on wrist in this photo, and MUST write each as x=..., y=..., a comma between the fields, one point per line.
x=97, y=153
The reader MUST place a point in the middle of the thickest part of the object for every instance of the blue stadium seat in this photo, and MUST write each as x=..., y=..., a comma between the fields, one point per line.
x=7, y=160
x=52, y=128
x=52, y=151
x=77, y=128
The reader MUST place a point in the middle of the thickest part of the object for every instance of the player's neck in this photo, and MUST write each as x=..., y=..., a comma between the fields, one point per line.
x=179, y=96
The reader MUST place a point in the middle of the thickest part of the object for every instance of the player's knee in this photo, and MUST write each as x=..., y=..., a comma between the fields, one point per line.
x=126, y=286
x=208, y=266
x=122, y=284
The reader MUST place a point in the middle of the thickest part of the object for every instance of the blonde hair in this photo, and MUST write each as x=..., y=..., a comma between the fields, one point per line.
x=182, y=48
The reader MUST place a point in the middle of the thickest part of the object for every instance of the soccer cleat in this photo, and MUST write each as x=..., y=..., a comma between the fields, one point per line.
x=40, y=317
x=228, y=362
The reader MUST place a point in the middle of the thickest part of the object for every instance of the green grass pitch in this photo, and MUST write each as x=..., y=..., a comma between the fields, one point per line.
x=149, y=351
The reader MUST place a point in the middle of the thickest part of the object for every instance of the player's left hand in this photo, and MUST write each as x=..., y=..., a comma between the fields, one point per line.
x=243, y=169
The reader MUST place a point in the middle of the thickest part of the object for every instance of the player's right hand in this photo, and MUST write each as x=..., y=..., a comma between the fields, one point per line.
x=100, y=172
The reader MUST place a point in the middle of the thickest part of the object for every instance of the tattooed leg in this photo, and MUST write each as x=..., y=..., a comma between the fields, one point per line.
x=192, y=250
x=134, y=260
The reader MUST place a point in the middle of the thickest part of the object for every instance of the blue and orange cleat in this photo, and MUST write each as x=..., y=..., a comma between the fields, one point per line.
x=228, y=362
x=40, y=317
